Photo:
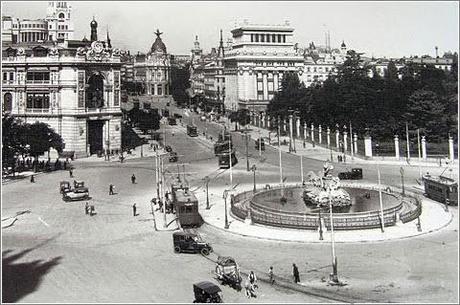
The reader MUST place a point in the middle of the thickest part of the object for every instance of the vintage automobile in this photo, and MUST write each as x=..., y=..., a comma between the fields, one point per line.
x=354, y=174
x=190, y=242
x=64, y=187
x=168, y=148
x=79, y=192
x=172, y=121
x=207, y=292
x=228, y=272
x=173, y=156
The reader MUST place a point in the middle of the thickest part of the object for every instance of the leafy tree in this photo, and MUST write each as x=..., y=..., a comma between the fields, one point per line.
x=13, y=139
x=40, y=137
x=180, y=82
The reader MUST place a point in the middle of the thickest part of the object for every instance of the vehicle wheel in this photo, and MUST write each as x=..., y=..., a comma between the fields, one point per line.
x=177, y=249
x=205, y=251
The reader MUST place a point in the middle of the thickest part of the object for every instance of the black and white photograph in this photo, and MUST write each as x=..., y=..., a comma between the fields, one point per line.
x=274, y=152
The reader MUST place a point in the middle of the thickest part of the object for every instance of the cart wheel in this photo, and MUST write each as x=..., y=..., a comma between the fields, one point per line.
x=177, y=249
x=205, y=251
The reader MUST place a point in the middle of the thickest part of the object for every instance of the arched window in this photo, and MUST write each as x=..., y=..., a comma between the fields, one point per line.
x=7, y=102
x=95, y=92
x=61, y=15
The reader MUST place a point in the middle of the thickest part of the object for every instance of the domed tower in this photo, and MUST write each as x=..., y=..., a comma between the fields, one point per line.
x=343, y=47
x=158, y=45
x=93, y=25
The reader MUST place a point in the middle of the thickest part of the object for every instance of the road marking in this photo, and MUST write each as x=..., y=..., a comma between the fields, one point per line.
x=44, y=222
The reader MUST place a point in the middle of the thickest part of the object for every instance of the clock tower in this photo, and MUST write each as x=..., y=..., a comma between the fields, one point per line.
x=58, y=17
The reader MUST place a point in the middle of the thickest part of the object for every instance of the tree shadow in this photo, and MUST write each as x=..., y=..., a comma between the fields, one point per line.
x=20, y=279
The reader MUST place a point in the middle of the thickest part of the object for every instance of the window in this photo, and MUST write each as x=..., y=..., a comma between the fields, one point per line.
x=160, y=91
x=7, y=102
x=268, y=37
x=5, y=76
x=38, y=101
x=38, y=77
x=273, y=37
x=262, y=38
x=11, y=76
x=252, y=37
x=284, y=38
x=61, y=15
x=279, y=37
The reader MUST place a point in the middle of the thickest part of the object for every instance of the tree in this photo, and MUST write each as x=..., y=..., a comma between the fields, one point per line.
x=427, y=113
x=180, y=82
x=40, y=137
x=13, y=139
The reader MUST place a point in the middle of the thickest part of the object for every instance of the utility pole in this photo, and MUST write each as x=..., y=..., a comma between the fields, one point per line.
x=207, y=192
x=247, y=151
x=301, y=169
x=334, y=277
x=380, y=201
x=230, y=162
x=401, y=170
x=407, y=142
x=253, y=168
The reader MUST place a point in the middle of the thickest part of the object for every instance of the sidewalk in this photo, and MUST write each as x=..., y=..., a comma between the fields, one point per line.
x=433, y=218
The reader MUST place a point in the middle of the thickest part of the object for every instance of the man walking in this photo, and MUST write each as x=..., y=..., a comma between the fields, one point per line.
x=86, y=208
x=111, y=189
x=295, y=272
x=133, y=179
x=271, y=275
x=70, y=173
x=134, y=210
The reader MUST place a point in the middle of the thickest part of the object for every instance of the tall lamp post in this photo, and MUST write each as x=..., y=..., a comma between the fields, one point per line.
x=225, y=195
x=382, y=220
x=254, y=168
x=333, y=278
x=247, y=151
x=206, y=179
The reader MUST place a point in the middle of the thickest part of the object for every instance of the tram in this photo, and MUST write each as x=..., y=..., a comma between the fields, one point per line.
x=186, y=206
x=224, y=159
x=192, y=131
x=440, y=188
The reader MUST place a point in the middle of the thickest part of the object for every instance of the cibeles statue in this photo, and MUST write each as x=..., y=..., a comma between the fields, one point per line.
x=325, y=191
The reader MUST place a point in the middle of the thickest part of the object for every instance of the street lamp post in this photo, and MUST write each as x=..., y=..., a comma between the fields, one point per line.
x=226, y=226
x=382, y=220
x=280, y=162
x=247, y=151
x=301, y=169
x=401, y=170
x=207, y=192
x=254, y=168
x=333, y=278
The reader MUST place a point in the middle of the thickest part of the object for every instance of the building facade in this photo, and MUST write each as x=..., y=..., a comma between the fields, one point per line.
x=57, y=25
x=74, y=87
x=254, y=67
x=153, y=69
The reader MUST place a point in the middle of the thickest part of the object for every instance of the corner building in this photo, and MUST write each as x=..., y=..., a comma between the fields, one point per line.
x=74, y=87
x=255, y=65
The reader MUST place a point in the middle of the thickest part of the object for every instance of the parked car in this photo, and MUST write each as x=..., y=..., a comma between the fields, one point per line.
x=168, y=148
x=173, y=156
x=190, y=242
x=354, y=174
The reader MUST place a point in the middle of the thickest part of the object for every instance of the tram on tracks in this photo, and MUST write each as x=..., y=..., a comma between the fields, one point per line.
x=185, y=204
x=441, y=189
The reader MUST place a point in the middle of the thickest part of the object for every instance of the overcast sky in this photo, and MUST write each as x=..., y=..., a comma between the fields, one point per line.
x=391, y=29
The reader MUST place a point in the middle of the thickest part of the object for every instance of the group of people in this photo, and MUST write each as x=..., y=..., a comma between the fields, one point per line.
x=28, y=164
x=89, y=209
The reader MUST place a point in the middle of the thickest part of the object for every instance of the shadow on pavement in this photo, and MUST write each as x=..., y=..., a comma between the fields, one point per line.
x=20, y=279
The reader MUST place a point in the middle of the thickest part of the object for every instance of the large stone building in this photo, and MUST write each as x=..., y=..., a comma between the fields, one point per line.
x=255, y=65
x=72, y=86
x=57, y=26
x=153, y=69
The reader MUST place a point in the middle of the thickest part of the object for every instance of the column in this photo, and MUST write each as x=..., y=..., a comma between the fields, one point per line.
x=355, y=142
x=268, y=121
x=397, y=147
x=368, y=146
x=451, y=148
x=263, y=120
x=345, y=144
x=423, y=148
x=297, y=122
x=328, y=135
x=312, y=132
x=319, y=133
x=304, y=130
x=290, y=132
x=265, y=85
x=284, y=125
x=337, y=134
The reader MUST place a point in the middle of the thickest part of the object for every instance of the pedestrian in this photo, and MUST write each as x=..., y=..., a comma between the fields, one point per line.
x=271, y=275
x=111, y=189
x=70, y=172
x=87, y=208
x=253, y=279
x=32, y=179
x=295, y=272
x=134, y=210
x=92, y=210
x=133, y=179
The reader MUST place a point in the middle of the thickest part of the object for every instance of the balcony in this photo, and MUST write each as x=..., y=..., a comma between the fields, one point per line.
x=37, y=110
x=38, y=82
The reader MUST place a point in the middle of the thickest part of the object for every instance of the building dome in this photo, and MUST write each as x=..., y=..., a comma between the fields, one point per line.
x=158, y=45
x=343, y=44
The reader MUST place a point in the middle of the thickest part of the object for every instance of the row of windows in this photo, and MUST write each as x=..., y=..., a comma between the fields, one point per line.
x=8, y=76
x=272, y=63
x=274, y=38
x=38, y=100
x=33, y=26
x=320, y=69
x=63, y=27
x=34, y=36
x=38, y=76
